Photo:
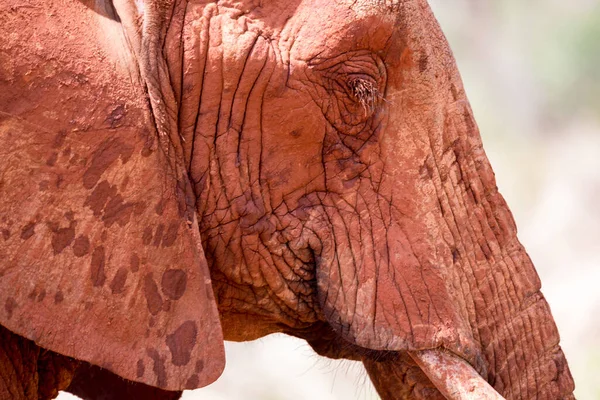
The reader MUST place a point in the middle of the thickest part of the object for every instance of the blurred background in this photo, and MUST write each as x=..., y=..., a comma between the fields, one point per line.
x=532, y=72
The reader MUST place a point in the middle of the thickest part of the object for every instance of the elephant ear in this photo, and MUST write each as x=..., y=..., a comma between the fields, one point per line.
x=100, y=252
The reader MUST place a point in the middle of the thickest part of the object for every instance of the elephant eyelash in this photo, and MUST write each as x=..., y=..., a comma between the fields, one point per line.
x=365, y=92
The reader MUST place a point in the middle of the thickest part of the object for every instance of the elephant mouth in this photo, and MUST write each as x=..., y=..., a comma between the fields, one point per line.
x=402, y=374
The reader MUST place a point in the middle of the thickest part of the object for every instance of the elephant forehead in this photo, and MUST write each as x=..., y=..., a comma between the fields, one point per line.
x=338, y=27
x=344, y=24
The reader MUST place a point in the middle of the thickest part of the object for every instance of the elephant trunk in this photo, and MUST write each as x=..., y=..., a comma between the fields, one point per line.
x=452, y=225
x=509, y=317
x=465, y=237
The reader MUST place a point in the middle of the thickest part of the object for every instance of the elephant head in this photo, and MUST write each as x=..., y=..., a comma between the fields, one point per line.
x=180, y=172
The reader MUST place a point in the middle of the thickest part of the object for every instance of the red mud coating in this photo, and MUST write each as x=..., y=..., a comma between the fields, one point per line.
x=98, y=198
x=140, y=368
x=147, y=237
x=181, y=343
x=173, y=283
x=118, y=283
x=134, y=263
x=62, y=238
x=107, y=153
x=81, y=246
x=378, y=220
x=192, y=382
x=10, y=306
x=158, y=235
x=171, y=235
x=158, y=367
x=153, y=298
x=28, y=231
x=117, y=211
x=97, y=267
x=41, y=295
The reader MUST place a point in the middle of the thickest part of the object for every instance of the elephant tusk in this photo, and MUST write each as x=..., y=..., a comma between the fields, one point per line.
x=455, y=378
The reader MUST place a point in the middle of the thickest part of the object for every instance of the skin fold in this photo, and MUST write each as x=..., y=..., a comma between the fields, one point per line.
x=181, y=172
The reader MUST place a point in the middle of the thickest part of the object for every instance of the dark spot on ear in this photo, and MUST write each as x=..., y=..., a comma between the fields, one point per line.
x=43, y=185
x=116, y=117
x=173, y=283
x=153, y=299
x=182, y=342
x=67, y=151
x=106, y=154
x=97, y=268
x=295, y=133
x=117, y=211
x=52, y=160
x=98, y=198
x=59, y=139
x=62, y=237
x=10, y=306
x=166, y=306
x=158, y=367
x=5, y=234
x=192, y=382
x=158, y=235
x=118, y=283
x=81, y=246
x=33, y=294
x=28, y=231
x=160, y=207
x=59, y=181
x=139, y=208
x=147, y=237
x=171, y=235
x=423, y=62
x=152, y=322
x=88, y=305
x=134, y=263
x=140, y=368
x=58, y=297
x=42, y=295
x=199, y=366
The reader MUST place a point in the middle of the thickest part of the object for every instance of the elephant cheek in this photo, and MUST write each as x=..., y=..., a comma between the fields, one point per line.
x=377, y=293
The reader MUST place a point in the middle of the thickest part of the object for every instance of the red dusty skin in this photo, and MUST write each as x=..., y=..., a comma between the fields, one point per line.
x=453, y=376
x=184, y=172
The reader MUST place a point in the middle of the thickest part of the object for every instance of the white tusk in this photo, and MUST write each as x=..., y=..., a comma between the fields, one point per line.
x=455, y=378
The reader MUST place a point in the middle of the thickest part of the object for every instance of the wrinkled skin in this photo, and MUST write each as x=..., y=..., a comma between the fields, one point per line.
x=329, y=162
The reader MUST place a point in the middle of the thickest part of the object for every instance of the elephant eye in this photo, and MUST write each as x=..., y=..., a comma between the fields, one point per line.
x=364, y=90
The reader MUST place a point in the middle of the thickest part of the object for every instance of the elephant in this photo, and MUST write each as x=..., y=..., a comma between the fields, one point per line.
x=176, y=173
